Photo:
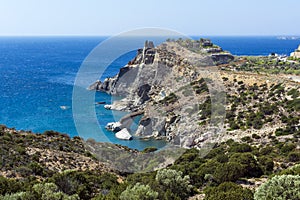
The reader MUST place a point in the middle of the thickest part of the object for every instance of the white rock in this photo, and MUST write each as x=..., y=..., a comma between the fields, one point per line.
x=113, y=126
x=118, y=105
x=123, y=134
x=108, y=107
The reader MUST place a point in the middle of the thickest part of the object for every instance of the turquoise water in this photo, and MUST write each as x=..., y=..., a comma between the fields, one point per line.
x=37, y=76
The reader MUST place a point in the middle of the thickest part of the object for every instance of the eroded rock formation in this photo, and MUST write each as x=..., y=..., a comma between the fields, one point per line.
x=157, y=82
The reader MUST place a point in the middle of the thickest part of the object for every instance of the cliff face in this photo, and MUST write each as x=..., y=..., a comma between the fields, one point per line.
x=122, y=83
x=158, y=82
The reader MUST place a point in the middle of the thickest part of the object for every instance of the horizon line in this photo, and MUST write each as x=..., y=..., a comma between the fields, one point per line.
x=190, y=35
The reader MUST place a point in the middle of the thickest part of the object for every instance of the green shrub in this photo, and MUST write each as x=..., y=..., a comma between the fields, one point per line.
x=174, y=181
x=280, y=188
x=266, y=150
x=236, y=147
x=24, y=171
x=137, y=192
x=266, y=164
x=294, y=156
x=21, y=150
x=36, y=168
x=149, y=149
x=215, y=152
x=9, y=186
x=2, y=127
x=143, y=178
x=247, y=139
x=230, y=171
x=295, y=170
x=209, y=167
x=228, y=191
x=85, y=184
x=294, y=104
x=47, y=191
x=250, y=167
x=233, y=125
x=286, y=131
x=16, y=196
x=294, y=93
x=42, y=191
x=222, y=158
x=225, y=78
x=189, y=164
x=287, y=148
x=51, y=133
x=255, y=136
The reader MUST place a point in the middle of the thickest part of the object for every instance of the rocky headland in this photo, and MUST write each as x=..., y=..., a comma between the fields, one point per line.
x=192, y=92
x=166, y=85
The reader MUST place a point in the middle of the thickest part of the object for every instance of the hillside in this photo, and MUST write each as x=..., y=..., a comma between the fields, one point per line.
x=53, y=165
x=42, y=155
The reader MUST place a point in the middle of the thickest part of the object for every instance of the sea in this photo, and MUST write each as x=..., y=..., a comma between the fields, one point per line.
x=37, y=75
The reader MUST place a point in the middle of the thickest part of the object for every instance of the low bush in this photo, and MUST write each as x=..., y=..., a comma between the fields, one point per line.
x=279, y=187
x=137, y=192
x=240, y=148
x=228, y=172
x=228, y=191
x=175, y=182
x=266, y=164
x=294, y=156
x=250, y=167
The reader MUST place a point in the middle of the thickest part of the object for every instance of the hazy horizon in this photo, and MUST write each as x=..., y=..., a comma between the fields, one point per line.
x=298, y=36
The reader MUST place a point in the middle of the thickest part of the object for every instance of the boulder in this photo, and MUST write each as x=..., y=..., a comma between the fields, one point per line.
x=114, y=126
x=108, y=107
x=123, y=134
x=222, y=58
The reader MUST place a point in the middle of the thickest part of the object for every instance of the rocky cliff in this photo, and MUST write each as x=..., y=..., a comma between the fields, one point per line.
x=167, y=84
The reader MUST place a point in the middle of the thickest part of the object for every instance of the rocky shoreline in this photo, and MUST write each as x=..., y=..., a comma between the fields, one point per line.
x=182, y=92
x=152, y=85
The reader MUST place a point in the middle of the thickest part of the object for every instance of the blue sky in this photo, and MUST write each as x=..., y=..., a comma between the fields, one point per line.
x=110, y=17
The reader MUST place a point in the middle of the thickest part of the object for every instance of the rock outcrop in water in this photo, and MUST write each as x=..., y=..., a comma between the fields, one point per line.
x=157, y=82
x=123, y=134
x=114, y=126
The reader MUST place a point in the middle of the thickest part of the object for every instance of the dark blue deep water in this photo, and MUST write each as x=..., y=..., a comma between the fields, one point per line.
x=256, y=45
x=37, y=76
